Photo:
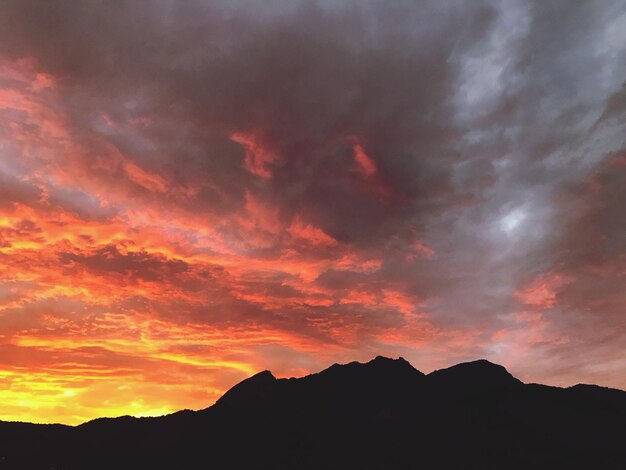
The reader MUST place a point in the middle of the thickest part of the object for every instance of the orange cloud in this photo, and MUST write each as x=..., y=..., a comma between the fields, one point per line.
x=150, y=181
x=313, y=235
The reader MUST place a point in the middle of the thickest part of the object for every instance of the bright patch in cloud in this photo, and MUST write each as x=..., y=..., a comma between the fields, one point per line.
x=513, y=221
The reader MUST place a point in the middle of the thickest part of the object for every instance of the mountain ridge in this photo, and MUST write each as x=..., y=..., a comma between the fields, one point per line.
x=374, y=415
x=335, y=366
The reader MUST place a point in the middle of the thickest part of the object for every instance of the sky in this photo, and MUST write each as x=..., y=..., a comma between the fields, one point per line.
x=192, y=192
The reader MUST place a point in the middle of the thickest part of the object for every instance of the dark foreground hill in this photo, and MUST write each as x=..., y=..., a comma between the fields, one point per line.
x=381, y=415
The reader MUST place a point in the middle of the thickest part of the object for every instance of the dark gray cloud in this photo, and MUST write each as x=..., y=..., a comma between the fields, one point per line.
x=133, y=266
x=305, y=80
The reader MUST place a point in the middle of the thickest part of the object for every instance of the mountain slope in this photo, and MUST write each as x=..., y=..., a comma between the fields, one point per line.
x=384, y=414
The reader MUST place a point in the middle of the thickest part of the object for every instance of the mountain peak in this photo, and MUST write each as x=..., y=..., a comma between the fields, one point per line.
x=380, y=364
x=384, y=359
x=253, y=389
x=476, y=375
x=263, y=375
x=383, y=362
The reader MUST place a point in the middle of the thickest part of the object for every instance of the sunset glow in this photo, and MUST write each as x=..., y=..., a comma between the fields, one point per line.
x=177, y=219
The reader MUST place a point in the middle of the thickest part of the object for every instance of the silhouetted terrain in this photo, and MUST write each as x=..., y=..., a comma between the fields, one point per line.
x=381, y=415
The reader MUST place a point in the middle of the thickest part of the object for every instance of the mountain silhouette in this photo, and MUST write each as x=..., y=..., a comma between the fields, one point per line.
x=384, y=414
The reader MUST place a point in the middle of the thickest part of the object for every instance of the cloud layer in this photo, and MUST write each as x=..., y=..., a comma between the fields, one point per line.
x=191, y=192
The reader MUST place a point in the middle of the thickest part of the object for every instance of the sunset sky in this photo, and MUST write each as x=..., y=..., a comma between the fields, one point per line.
x=192, y=192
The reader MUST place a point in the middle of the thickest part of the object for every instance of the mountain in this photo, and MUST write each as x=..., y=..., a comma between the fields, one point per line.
x=384, y=414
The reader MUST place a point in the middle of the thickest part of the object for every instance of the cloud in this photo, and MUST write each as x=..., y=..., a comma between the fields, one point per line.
x=109, y=260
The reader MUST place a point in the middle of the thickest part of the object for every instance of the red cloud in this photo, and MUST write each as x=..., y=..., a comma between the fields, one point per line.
x=258, y=157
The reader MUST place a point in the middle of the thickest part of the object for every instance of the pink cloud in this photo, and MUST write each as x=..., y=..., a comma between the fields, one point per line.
x=543, y=290
x=365, y=164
